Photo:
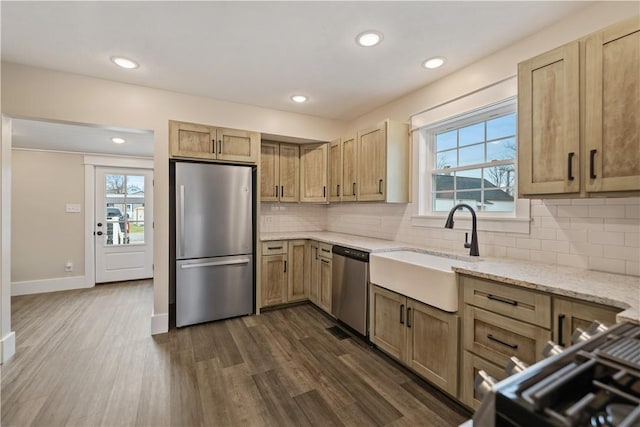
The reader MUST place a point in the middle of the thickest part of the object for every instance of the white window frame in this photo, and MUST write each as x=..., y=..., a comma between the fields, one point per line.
x=517, y=221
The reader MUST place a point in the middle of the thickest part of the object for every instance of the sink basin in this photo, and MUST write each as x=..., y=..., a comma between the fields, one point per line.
x=423, y=277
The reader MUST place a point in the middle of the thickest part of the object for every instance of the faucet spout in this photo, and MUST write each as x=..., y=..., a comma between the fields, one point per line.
x=474, y=227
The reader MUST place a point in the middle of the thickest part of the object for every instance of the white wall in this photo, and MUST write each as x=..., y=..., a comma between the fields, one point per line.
x=44, y=94
x=43, y=235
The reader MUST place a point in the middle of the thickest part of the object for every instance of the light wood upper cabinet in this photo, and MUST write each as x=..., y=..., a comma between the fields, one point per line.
x=570, y=314
x=549, y=122
x=279, y=174
x=314, y=170
x=419, y=336
x=212, y=143
x=297, y=270
x=335, y=171
x=343, y=167
x=372, y=172
x=612, y=124
x=578, y=121
x=383, y=163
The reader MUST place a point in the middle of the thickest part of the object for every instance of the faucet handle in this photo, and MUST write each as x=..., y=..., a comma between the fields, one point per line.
x=466, y=240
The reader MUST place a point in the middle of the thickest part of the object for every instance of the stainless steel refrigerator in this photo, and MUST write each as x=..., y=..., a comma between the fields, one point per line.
x=214, y=275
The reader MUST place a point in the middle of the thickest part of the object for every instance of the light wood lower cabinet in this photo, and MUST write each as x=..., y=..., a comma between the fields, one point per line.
x=274, y=279
x=471, y=365
x=421, y=337
x=314, y=272
x=284, y=274
x=569, y=314
x=298, y=281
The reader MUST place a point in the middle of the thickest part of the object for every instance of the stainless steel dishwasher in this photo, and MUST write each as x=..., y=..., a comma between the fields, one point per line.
x=349, y=282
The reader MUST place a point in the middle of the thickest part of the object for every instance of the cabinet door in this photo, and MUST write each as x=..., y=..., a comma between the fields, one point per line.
x=471, y=365
x=313, y=173
x=549, y=122
x=324, y=297
x=349, y=168
x=335, y=171
x=372, y=159
x=387, y=321
x=612, y=109
x=570, y=314
x=237, y=145
x=274, y=279
x=432, y=344
x=289, y=172
x=269, y=167
x=191, y=140
x=298, y=287
x=314, y=273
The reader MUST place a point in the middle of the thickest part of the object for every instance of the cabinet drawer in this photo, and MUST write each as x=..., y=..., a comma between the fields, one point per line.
x=324, y=250
x=497, y=338
x=521, y=304
x=471, y=365
x=275, y=247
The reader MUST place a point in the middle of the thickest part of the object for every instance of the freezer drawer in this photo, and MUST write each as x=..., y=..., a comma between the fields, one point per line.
x=213, y=288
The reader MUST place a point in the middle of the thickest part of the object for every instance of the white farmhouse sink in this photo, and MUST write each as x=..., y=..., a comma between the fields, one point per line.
x=423, y=277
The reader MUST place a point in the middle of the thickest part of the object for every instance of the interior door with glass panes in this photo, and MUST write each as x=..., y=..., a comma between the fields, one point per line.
x=123, y=224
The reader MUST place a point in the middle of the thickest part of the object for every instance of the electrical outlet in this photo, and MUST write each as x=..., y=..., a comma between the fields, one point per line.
x=68, y=266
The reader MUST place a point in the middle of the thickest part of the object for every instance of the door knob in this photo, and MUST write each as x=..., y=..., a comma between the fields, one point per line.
x=99, y=233
x=99, y=224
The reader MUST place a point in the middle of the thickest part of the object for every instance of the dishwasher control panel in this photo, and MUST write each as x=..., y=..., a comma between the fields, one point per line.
x=351, y=253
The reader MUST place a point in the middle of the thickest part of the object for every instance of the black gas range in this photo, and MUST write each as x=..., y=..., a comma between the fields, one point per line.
x=594, y=383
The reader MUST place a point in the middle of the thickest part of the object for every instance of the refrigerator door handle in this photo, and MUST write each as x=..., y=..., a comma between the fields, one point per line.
x=181, y=221
x=216, y=263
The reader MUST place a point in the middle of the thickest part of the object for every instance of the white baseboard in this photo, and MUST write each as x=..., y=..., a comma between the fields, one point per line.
x=159, y=323
x=7, y=347
x=49, y=285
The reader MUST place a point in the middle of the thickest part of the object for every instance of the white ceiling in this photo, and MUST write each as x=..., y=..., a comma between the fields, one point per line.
x=260, y=53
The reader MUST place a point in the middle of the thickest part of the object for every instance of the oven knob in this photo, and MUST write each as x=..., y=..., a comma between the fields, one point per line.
x=595, y=328
x=579, y=336
x=483, y=384
x=551, y=349
x=514, y=366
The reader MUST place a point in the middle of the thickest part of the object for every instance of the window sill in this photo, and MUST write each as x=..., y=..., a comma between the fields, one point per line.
x=463, y=221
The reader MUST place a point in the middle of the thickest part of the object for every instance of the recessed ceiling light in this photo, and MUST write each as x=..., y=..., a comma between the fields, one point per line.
x=124, y=62
x=118, y=140
x=299, y=98
x=434, y=62
x=369, y=38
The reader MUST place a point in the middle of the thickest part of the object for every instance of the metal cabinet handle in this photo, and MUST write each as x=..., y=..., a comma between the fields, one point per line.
x=500, y=299
x=402, y=314
x=285, y=266
x=354, y=189
x=380, y=186
x=272, y=248
x=316, y=252
x=282, y=191
x=338, y=190
x=219, y=146
x=506, y=344
x=408, y=317
x=570, y=176
x=215, y=146
x=560, y=329
x=592, y=166
x=325, y=250
x=325, y=261
x=181, y=221
x=324, y=191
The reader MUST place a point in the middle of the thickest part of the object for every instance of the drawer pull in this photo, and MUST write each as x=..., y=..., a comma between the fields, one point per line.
x=324, y=261
x=273, y=248
x=402, y=314
x=325, y=250
x=506, y=344
x=504, y=300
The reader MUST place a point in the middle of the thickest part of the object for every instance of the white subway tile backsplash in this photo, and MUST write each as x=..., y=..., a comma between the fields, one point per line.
x=600, y=234
x=606, y=237
x=608, y=265
x=606, y=211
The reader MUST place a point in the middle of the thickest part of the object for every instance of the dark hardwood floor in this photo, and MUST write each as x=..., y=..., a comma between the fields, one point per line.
x=86, y=358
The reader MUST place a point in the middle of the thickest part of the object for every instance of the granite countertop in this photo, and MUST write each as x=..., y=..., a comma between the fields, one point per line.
x=615, y=290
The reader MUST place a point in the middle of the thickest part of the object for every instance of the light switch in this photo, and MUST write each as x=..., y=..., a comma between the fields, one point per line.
x=73, y=207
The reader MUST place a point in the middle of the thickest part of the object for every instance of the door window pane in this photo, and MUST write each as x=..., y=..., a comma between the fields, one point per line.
x=124, y=209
